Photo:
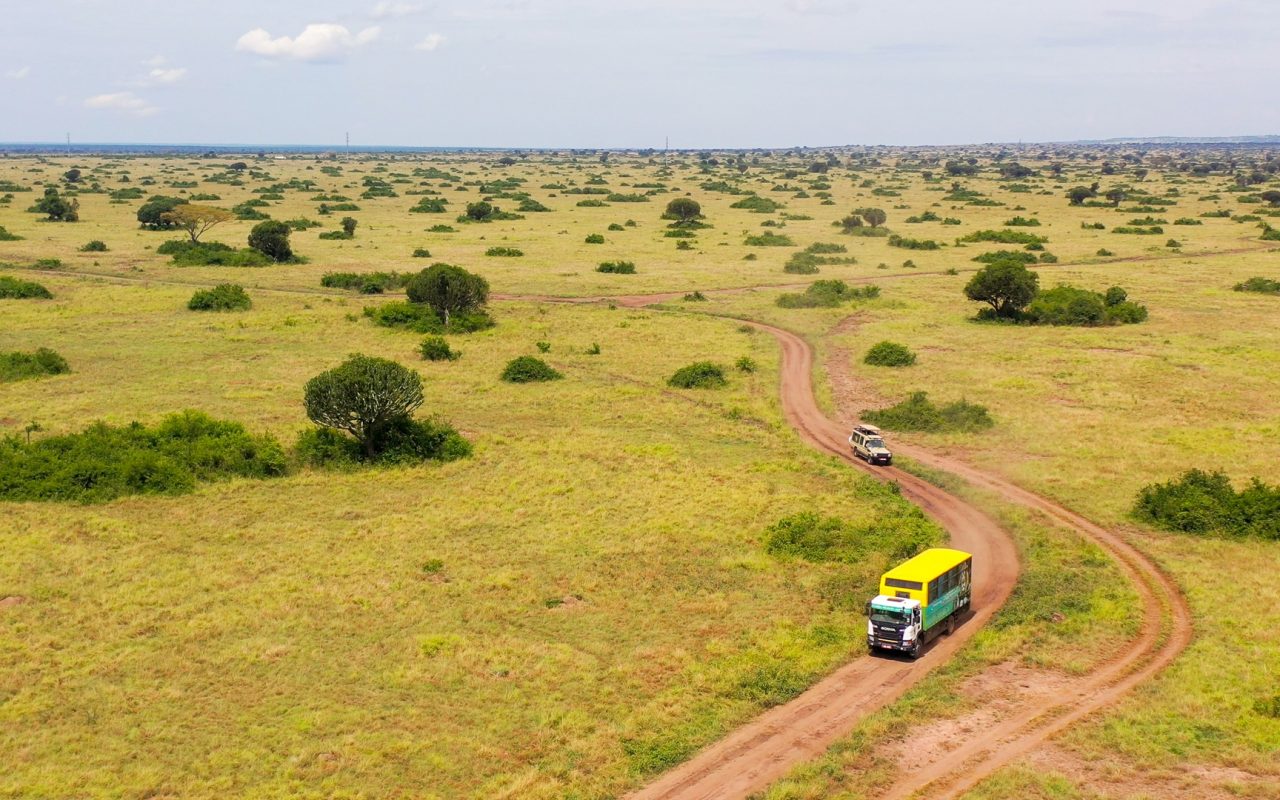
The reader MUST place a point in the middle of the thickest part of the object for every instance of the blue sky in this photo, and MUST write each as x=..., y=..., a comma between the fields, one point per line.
x=595, y=73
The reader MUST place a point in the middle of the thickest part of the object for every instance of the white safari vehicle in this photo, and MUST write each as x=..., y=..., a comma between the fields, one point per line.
x=867, y=443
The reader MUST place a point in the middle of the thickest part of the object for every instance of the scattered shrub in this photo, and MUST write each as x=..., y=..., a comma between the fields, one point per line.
x=827, y=294
x=889, y=354
x=1023, y=222
x=421, y=252
x=198, y=254
x=504, y=252
x=918, y=413
x=528, y=369
x=595, y=238
x=420, y=318
x=770, y=239
x=1206, y=503
x=695, y=297
x=94, y=246
x=225, y=297
x=436, y=348
x=699, y=375
x=746, y=364
x=105, y=462
x=617, y=267
x=5, y=236
x=17, y=289
x=1263, y=285
x=1004, y=237
x=366, y=282
x=18, y=366
x=757, y=204
x=912, y=244
x=403, y=441
x=1069, y=305
x=819, y=539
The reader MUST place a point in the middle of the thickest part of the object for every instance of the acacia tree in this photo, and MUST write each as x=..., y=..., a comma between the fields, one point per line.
x=363, y=396
x=448, y=290
x=1007, y=286
x=196, y=220
x=1272, y=197
x=683, y=210
x=349, y=226
x=271, y=238
x=57, y=207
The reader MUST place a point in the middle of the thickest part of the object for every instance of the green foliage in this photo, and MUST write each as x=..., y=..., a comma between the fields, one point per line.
x=746, y=364
x=528, y=369
x=225, y=297
x=1004, y=237
x=199, y=254
x=683, y=210
x=448, y=291
x=757, y=204
x=912, y=244
x=1206, y=503
x=366, y=282
x=889, y=354
x=769, y=239
x=420, y=318
x=363, y=396
x=5, y=236
x=19, y=366
x=1135, y=230
x=1007, y=286
x=1022, y=222
x=436, y=348
x=94, y=246
x=827, y=294
x=699, y=375
x=1016, y=256
x=824, y=539
x=695, y=297
x=17, y=289
x=617, y=267
x=403, y=441
x=271, y=238
x=1069, y=305
x=442, y=229
x=529, y=205
x=504, y=252
x=56, y=207
x=430, y=205
x=826, y=248
x=595, y=238
x=1257, y=284
x=918, y=413
x=105, y=462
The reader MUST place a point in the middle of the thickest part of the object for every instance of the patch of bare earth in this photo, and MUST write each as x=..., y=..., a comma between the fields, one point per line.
x=997, y=694
x=1115, y=780
x=851, y=396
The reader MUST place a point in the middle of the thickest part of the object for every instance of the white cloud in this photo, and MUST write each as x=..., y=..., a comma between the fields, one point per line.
x=155, y=61
x=19, y=73
x=317, y=42
x=430, y=42
x=160, y=75
x=386, y=9
x=122, y=101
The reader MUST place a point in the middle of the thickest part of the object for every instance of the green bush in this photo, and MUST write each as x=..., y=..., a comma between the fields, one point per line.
x=335, y=235
x=436, y=348
x=366, y=282
x=1069, y=305
x=17, y=289
x=430, y=205
x=595, y=238
x=1004, y=237
x=105, y=462
x=1023, y=222
x=912, y=244
x=617, y=267
x=918, y=413
x=420, y=318
x=699, y=375
x=5, y=236
x=504, y=252
x=826, y=248
x=757, y=205
x=403, y=441
x=770, y=239
x=827, y=294
x=746, y=364
x=225, y=297
x=528, y=369
x=192, y=254
x=1263, y=285
x=421, y=252
x=18, y=366
x=1206, y=503
x=1016, y=256
x=821, y=539
x=94, y=246
x=889, y=354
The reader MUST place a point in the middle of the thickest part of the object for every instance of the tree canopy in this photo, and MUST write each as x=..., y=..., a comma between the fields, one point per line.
x=683, y=210
x=196, y=220
x=1007, y=286
x=271, y=238
x=363, y=396
x=448, y=290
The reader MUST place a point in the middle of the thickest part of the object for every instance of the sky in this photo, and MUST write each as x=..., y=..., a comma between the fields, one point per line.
x=624, y=73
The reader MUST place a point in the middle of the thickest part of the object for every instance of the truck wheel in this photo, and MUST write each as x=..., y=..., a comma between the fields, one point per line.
x=951, y=624
x=915, y=650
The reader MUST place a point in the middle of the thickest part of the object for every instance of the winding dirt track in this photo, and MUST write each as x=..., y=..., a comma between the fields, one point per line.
x=765, y=749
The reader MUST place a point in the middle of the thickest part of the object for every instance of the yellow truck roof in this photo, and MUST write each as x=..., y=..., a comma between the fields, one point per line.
x=928, y=565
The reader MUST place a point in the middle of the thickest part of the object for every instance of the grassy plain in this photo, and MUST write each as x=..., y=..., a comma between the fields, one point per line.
x=603, y=605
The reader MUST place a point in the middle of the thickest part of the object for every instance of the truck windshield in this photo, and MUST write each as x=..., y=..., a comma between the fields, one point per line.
x=890, y=617
x=875, y=443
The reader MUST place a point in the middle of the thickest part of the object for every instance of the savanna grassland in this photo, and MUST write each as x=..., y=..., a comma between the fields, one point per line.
x=587, y=599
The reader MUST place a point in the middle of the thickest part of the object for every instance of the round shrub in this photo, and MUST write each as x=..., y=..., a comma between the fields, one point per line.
x=271, y=238
x=18, y=289
x=617, y=267
x=95, y=246
x=889, y=354
x=226, y=297
x=699, y=375
x=527, y=369
x=436, y=348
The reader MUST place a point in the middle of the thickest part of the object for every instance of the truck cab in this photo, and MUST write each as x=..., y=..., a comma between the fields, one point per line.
x=867, y=442
x=895, y=623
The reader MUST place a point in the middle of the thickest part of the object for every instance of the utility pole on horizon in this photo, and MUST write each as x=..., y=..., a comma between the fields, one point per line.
x=348, y=155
